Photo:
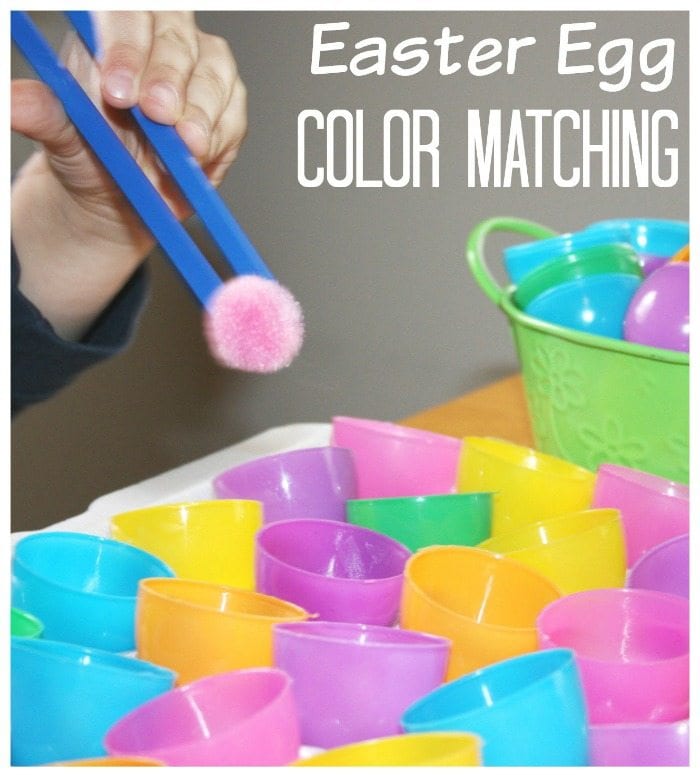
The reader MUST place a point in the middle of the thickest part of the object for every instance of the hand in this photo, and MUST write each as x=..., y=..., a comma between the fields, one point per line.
x=77, y=239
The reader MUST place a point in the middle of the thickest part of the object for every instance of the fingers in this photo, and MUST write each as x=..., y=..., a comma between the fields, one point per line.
x=228, y=135
x=125, y=43
x=38, y=115
x=173, y=56
x=215, y=116
x=178, y=75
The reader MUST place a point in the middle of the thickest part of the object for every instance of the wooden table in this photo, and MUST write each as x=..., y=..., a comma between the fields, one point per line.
x=498, y=409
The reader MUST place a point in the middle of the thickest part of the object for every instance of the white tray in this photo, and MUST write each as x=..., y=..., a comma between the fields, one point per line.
x=192, y=481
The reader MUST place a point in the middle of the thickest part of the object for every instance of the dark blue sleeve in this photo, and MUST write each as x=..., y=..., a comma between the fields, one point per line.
x=43, y=362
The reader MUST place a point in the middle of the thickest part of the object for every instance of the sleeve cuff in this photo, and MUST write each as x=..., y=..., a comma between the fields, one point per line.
x=43, y=362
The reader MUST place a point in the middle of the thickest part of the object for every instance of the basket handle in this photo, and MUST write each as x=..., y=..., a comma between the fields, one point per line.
x=475, y=248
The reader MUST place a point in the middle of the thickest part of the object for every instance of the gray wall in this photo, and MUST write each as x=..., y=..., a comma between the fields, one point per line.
x=395, y=322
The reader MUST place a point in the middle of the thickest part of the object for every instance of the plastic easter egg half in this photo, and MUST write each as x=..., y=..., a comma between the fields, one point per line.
x=658, y=314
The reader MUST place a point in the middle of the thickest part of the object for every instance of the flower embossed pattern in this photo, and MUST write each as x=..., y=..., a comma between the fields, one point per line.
x=678, y=449
x=558, y=379
x=555, y=395
x=560, y=400
x=608, y=441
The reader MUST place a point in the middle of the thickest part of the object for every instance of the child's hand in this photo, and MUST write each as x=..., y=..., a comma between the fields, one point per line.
x=77, y=239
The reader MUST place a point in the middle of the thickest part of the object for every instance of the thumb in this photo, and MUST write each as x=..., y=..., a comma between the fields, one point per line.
x=36, y=113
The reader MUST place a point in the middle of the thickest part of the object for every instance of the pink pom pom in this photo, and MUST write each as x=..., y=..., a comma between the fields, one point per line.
x=253, y=324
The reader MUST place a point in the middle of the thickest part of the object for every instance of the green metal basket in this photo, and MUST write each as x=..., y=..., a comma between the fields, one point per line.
x=592, y=399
